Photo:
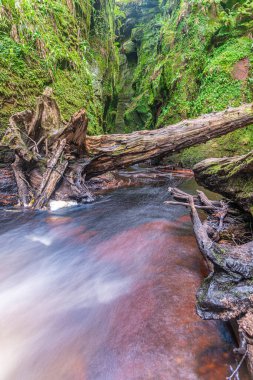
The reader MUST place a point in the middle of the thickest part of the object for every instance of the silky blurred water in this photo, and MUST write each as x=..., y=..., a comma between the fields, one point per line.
x=106, y=291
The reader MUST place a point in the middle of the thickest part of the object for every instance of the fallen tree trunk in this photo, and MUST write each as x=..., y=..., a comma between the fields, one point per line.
x=114, y=151
x=41, y=142
x=230, y=176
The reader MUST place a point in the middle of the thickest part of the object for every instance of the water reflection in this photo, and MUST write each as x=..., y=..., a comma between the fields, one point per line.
x=106, y=291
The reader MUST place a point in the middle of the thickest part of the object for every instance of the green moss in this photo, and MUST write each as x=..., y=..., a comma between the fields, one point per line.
x=181, y=60
x=56, y=43
x=186, y=60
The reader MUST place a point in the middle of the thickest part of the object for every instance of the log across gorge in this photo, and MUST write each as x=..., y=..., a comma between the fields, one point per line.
x=117, y=150
x=51, y=154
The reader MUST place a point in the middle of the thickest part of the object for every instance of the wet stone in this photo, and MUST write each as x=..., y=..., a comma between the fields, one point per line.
x=221, y=297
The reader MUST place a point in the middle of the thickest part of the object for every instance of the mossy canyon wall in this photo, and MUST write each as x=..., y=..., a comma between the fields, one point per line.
x=193, y=57
x=133, y=65
x=68, y=45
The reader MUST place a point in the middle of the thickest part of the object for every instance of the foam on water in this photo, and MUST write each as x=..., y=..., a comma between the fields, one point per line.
x=56, y=205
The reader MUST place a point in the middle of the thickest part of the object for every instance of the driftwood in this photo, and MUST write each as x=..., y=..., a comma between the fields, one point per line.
x=230, y=176
x=50, y=153
x=227, y=293
x=69, y=189
x=44, y=196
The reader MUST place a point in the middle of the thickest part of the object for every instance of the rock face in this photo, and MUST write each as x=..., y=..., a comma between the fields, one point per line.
x=231, y=177
x=241, y=69
x=137, y=14
x=126, y=92
x=221, y=297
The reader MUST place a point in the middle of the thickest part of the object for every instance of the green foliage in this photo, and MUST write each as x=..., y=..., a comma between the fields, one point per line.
x=186, y=54
x=53, y=42
x=186, y=61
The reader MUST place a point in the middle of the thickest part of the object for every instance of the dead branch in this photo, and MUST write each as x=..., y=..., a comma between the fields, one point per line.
x=177, y=203
x=22, y=183
x=55, y=176
x=52, y=162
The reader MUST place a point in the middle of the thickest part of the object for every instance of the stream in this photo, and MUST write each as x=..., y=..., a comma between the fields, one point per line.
x=106, y=291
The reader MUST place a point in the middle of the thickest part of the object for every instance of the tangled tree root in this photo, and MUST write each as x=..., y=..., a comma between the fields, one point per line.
x=227, y=292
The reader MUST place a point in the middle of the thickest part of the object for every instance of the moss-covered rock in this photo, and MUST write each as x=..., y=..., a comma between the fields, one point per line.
x=222, y=297
x=232, y=177
x=129, y=47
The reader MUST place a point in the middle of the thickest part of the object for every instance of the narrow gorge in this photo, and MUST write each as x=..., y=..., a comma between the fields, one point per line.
x=117, y=118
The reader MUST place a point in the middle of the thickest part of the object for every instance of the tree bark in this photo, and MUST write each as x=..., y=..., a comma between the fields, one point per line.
x=229, y=176
x=118, y=150
x=35, y=135
x=43, y=198
x=22, y=183
x=44, y=145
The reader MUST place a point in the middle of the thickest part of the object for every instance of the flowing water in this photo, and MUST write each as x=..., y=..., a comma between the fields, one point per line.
x=106, y=291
